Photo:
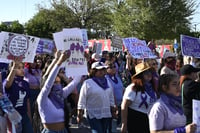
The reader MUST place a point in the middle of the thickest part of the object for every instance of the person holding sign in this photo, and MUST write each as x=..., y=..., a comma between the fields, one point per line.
x=18, y=92
x=190, y=89
x=51, y=98
x=166, y=115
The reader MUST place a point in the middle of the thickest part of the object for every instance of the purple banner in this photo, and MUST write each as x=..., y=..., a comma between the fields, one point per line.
x=190, y=46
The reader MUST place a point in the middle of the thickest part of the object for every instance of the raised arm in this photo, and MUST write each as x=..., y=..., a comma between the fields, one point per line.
x=11, y=75
x=52, y=76
x=57, y=55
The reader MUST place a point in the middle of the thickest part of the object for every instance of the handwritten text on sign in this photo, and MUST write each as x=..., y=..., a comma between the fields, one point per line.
x=190, y=46
x=138, y=48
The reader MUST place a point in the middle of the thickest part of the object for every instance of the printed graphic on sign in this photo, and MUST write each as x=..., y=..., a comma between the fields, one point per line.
x=18, y=45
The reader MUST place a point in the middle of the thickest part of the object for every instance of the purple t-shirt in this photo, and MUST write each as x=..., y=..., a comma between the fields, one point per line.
x=18, y=94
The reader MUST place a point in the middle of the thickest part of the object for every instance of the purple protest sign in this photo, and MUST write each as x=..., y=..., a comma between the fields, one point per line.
x=190, y=46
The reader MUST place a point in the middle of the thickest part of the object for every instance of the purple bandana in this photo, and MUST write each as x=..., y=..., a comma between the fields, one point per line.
x=173, y=103
x=102, y=82
x=56, y=96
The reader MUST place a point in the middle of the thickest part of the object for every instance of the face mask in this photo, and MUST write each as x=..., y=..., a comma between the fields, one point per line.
x=56, y=96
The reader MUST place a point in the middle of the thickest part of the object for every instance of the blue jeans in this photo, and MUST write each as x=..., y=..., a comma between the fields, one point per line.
x=99, y=125
x=45, y=130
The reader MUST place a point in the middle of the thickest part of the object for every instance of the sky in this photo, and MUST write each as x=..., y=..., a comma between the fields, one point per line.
x=23, y=10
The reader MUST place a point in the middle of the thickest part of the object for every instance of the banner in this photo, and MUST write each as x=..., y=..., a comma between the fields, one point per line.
x=138, y=48
x=45, y=46
x=72, y=39
x=18, y=45
x=190, y=46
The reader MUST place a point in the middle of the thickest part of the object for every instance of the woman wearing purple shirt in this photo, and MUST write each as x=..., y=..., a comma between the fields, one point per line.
x=51, y=99
x=166, y=115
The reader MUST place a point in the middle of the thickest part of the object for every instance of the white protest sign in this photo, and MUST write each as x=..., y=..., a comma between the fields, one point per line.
x=18, y=45
x=73, y=41
x=138, y=48
x=196, y=114
x=58, y=39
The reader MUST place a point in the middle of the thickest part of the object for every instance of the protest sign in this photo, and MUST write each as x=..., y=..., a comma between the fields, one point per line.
x=85, y=38
x=18, y=45
x=45, y=46
x=190, y=46
x=196, y=114
x=138, y=48
x=72, y=39
x=116, y=42
x=58, y=39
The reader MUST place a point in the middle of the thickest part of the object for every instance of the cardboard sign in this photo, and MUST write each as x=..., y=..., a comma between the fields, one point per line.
x=18, y=45
x=138, y=48
x=190, y=46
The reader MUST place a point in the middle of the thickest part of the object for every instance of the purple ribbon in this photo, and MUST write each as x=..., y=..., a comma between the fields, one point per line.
x=144, y=101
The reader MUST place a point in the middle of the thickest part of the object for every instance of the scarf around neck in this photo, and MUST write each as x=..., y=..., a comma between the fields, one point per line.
x=102, y=82
x=173, y=103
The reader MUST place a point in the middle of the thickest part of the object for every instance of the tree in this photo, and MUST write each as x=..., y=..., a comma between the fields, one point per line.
x=40, y=25
x=87, y=14
x=152, y=19
x=4, y=27
x=16, y=27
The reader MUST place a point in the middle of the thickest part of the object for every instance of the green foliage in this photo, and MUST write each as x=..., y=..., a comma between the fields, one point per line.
x=40, y=25
x=144, y=19
x=16, y=27
x=88, y=14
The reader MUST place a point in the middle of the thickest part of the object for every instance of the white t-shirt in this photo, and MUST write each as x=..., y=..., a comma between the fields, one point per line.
x=161, y=118
x=137, y=99
x=96, y=100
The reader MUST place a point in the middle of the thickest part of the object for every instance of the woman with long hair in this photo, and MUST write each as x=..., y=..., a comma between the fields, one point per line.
x=138, y=98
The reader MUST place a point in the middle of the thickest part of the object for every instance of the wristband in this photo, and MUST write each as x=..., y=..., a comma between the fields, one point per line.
x=180, y=130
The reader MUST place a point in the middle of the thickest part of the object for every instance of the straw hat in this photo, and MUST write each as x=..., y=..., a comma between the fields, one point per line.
x=139, y=68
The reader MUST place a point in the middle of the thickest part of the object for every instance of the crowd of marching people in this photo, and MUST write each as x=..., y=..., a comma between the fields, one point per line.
x=137, y=95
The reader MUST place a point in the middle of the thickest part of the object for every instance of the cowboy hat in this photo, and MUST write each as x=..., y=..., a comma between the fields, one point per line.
x=141, y=67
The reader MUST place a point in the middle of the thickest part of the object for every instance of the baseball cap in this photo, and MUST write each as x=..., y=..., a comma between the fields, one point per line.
x=187, y=69
x=98, y=65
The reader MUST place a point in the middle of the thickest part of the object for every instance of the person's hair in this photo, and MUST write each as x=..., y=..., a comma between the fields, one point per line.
x=165, y=79
x=139, y=82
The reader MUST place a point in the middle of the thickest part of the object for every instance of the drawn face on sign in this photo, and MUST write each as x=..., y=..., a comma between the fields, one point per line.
x=18, y=45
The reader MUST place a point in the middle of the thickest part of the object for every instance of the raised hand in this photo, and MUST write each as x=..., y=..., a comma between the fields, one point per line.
x=65, y=55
